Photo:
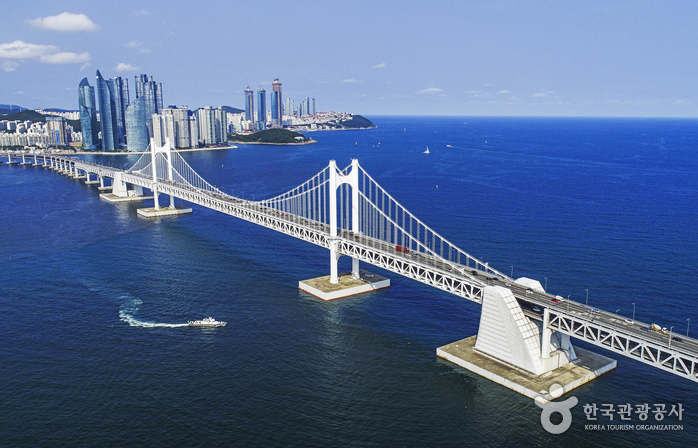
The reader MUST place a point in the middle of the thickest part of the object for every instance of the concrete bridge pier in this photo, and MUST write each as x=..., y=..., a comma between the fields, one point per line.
x=77, y=173
x=101, y=184
x=521, y=353
x=9, y=159
x=121, y=192
x=24, y=160
x=88, y=179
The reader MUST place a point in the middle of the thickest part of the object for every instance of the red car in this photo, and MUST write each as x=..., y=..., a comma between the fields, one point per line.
x=555, y=300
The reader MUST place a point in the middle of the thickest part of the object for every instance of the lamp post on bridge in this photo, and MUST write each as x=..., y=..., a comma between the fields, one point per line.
x=617, y=312
x=568, y=302
x=671, y=330
x=688, y=325
x=633, y=312
x=546, y=284
x=587, y=290
x=512, y=271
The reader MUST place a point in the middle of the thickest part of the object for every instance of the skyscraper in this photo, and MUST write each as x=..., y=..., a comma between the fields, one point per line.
x=288, y=107
x=136, y=130
x=261, y=109
x=173, y=123
x=121, y=100
x=107, y=113
x=57, y=130
x=212, y=125
x=152, y=91
x=88, y=115
x=249, y=104
x=276, y=105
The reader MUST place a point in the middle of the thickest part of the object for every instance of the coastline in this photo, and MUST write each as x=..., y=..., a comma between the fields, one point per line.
x=120, y=153
x=333, y=129
x=309, y=142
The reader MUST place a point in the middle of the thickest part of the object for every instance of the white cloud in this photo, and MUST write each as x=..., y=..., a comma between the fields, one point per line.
x=9, y=66
x=487, y=85
x=540, y=95
x=141, y=12
x=430, y=90
x=66, y=58
x=19, y=93
x=473, y=92
x=349, y=80
x=65, y=22
x=84, y=66
x=123, y=67
x=21, y=50
x=17, y=52
x=381, y=65
x=503, y=91
x=139, y=45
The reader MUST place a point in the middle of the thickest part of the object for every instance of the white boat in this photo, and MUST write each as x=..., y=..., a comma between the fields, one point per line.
x=427, y=151
x=206, y=322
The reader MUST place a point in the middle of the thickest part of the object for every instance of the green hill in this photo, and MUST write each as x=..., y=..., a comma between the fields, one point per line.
x=357, y=122
x=268, y=136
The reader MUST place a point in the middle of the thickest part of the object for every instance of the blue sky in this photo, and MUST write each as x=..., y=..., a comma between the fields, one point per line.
x=536, y=58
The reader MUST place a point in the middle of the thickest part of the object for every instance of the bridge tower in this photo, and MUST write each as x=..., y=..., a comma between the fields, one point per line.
x=357, y=281
x=336, y=180
x=161, y=168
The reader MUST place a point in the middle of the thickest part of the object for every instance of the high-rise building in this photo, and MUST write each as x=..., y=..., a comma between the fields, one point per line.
x=136, y=130
x=288, y=107
x=107, y=113
x=152, y=91
x=194, y=130
x=121, y=100
x=88, y=115
x=249, y=104
x=312, y=106
x=261, y=109
x=213, y=125
x=276, y=104
x=57, y=130
x=173, y=123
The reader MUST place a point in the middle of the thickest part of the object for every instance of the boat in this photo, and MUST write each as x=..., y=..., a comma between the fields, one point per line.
x=206, y=322
x=427, y=151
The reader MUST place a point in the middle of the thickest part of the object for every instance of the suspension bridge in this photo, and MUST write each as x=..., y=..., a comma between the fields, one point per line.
x=346, y=211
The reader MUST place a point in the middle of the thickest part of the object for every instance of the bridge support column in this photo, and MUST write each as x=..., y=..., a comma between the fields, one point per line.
x=334, y=258
x=120, y=191
x=354, y=267
x=521, y=353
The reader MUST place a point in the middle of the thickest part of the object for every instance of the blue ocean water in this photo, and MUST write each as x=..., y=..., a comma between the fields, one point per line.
x=92, y=295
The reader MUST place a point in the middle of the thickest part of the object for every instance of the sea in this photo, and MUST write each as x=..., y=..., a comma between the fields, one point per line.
x=94, y=299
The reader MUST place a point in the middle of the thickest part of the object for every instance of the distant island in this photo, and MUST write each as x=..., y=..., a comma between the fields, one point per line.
x=272, y=137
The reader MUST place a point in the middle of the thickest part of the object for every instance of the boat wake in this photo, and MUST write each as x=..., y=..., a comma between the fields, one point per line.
x=129, y=305
x=130, y=308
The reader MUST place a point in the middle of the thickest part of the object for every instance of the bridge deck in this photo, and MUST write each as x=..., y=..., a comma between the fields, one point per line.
x=603, y=329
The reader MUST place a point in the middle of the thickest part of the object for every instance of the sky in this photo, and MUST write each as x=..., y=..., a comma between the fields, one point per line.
x=463, y=58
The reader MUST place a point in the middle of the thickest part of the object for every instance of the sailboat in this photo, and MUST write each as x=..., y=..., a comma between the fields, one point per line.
x=427, y=151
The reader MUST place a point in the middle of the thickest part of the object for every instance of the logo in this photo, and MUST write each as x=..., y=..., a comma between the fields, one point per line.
x=551, y=407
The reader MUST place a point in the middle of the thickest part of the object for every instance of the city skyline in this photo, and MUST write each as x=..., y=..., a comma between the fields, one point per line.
x=481, y=58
